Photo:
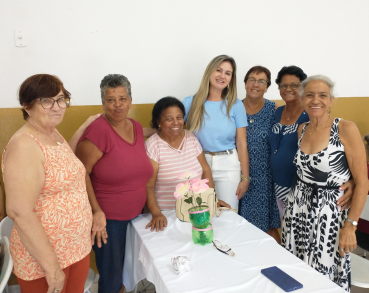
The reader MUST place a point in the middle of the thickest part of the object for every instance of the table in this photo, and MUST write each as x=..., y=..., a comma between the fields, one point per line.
x=148, y=256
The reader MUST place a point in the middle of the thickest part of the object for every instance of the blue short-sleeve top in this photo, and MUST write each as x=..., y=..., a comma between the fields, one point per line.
x=218, y=133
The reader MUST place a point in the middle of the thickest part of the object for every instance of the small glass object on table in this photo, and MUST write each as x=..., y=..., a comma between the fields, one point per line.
x=223, y=248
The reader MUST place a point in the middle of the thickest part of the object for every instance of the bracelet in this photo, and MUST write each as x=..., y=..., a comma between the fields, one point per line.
x=247, y=178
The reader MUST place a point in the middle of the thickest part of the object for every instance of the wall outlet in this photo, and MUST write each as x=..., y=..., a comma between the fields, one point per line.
x=19, y=39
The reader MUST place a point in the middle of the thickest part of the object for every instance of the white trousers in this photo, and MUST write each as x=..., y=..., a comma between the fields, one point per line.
x=280, y=204
x=226, y=171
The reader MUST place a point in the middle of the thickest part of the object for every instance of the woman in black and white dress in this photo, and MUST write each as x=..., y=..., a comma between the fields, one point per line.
x=313, y=227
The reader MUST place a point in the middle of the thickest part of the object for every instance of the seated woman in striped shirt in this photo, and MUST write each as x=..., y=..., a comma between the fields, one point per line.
x=171, y=150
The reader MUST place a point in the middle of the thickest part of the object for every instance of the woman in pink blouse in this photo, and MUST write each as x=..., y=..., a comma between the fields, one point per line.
x=171, y=150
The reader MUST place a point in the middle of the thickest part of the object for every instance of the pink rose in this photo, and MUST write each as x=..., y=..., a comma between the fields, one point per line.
x=198, y=186
x=195, y=181
x=181, y=189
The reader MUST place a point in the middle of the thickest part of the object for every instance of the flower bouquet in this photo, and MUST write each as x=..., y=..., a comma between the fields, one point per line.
x=196, y=185
x=191, y=192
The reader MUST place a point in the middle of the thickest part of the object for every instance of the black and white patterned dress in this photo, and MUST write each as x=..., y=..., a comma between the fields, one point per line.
x=312, y=221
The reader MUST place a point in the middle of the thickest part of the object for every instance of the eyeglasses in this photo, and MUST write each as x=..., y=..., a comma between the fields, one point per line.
x=260, y=82
x=48, y=103
x=223, y=248
x=293, y=86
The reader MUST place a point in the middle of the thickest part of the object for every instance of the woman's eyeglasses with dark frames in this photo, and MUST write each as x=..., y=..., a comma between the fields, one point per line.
x=260, y=82
x=293, y=86
x=48, y=103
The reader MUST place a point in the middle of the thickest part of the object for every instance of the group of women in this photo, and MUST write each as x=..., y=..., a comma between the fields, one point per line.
x=64, y=197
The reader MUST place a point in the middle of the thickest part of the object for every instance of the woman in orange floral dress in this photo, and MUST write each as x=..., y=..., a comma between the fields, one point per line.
x=46, y=194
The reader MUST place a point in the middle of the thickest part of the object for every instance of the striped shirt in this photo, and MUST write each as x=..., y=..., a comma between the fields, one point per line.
x=172, y=162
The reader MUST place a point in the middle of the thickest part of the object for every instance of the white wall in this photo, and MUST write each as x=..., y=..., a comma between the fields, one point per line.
x=163, y=46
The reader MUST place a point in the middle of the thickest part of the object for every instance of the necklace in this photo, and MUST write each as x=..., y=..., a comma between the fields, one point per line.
x=179, y=148
x=313, y=129
x=257, y=106
x=285, y=114
x=42, y=131
x=294, y=112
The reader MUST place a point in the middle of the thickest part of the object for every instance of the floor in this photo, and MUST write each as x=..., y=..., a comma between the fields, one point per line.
x=151, y=288
x=359, y=290
x=145, y=287
x=355, y=289
x=141, y=285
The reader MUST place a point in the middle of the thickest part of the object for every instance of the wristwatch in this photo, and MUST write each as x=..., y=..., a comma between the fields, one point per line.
x=354, y=223
x=248, y=178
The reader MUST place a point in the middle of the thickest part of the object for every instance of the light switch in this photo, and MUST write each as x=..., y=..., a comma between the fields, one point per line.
x=19, y=39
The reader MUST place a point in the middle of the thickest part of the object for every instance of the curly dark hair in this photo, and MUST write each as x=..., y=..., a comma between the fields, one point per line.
x=163, y=104
x=291, y=70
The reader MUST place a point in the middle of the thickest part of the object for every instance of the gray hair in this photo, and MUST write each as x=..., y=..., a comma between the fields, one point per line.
x=322, y=78
x=113, y=81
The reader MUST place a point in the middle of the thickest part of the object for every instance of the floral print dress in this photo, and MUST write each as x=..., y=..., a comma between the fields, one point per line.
x=258, y=205
x=312, y=221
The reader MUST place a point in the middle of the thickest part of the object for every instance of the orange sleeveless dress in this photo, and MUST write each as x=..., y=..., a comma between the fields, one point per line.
x=63, y=209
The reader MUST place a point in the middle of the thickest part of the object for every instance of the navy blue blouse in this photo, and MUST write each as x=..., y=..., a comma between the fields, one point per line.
x=283, y=145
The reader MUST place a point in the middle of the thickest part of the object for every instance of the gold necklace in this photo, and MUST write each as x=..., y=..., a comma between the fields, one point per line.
x=313, y=129
x=42, y=131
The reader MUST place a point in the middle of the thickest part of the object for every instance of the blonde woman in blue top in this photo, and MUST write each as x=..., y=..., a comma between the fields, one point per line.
x=218, y=119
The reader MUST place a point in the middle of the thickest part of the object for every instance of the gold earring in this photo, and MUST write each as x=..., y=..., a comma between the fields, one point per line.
x=329, y=112
x=227, y=86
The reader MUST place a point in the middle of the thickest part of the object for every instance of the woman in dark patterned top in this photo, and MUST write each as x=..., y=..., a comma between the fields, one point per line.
x=330, y=152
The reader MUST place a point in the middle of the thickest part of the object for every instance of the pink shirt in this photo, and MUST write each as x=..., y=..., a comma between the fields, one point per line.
x=119, y=178
x=171, y=163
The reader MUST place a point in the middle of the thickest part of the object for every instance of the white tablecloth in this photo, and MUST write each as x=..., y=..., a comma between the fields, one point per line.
x=148, y=255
